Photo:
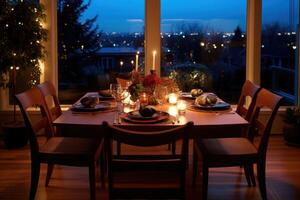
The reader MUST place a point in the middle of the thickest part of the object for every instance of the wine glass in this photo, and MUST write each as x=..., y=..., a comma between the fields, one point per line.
x=119, y=94
x=161, y=93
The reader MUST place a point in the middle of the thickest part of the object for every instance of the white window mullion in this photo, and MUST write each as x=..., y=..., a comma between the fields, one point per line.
x=254, y=15
x=297, y=70
x=50, y=72
x=152, y=35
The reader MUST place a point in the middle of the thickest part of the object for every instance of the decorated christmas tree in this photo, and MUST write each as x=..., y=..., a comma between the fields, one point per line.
x=21, y=41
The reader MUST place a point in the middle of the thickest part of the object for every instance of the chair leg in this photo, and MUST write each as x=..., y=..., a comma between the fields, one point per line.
x=251, y=171
x=182, y=183
x=261, y=175
x=195, y=166
x=35, y=174
x=102, y=169
x=204, y=181
x=173, y=148
x=49, y=173
x=118, y=148
x=247, y=174
x=92, y=181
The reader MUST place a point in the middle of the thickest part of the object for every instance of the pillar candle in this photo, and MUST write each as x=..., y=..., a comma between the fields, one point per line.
x=137, y=60
x=154, y=54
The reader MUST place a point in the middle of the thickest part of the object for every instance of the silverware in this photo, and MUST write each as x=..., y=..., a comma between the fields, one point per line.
x=225, y=113
x=176, y=120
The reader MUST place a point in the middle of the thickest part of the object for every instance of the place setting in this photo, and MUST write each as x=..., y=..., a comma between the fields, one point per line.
x=91, y=104
x=105, y=95
x=145, y=115
x=205, y=101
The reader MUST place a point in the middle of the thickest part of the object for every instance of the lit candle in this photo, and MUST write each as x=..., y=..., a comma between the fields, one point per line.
x=172, y=98
x=181, y=106
x=121, y=63
x=154, y=54
x=143, y=99
x=172, y=110
x=137, y=60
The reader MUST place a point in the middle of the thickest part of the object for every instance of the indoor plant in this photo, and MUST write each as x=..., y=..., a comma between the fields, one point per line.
x=291, y=128
x=21, y=51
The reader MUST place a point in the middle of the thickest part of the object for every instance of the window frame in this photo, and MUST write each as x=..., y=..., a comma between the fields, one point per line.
x=152, y=41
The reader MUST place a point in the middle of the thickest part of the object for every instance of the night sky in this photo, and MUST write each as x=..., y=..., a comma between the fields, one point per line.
x=216, y=15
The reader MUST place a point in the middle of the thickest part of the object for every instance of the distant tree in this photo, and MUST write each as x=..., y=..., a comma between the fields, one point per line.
x=237, y=34
x=138, y=41
x=78, y=41
x=237, y=40
x=187, y=47
x=271, y=39
x=4, y=10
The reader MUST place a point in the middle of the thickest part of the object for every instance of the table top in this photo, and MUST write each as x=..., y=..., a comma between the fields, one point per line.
x=199, y=117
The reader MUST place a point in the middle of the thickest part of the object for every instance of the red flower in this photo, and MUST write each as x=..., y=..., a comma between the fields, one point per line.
x=151, y=80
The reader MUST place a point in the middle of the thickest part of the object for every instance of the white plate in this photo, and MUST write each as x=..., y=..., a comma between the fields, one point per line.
x=78, y=107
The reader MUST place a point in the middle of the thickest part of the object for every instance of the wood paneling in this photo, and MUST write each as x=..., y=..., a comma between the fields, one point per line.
x=283, y=178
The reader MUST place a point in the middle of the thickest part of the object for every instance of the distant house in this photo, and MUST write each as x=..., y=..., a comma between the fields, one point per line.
x=119, y=58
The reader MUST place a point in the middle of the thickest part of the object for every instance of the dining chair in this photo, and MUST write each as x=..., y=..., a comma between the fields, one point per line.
x=142, y=164
x=54, y=109
x=56, y=150
x=225, y=152
x=48, y=90
x=250, y=91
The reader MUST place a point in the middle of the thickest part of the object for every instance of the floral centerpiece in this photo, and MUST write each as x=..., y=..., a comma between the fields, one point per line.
x=134, y=90
x=150, y=84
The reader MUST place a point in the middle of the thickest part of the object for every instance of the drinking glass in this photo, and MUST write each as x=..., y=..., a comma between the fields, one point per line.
x=161, y=94
x=119, y=94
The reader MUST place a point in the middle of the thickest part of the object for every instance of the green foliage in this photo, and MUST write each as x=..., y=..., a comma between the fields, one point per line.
x=292, y=116
x=22, y=36
x=188, y=79
x=135, y=90
x=78, y=40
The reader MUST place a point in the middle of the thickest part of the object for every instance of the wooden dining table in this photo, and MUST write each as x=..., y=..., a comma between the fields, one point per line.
x=207, y=123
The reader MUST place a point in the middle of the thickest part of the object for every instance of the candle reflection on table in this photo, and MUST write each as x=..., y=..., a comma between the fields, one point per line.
x=181, y=105
x=172, y=110
x=173, y=98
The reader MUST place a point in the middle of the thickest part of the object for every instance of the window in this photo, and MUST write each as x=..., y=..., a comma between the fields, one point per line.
x=204, y=41
x=95, y=37
x=279, y=47
x=203, y=45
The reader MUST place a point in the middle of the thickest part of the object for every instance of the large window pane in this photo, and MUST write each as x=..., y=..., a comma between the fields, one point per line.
x=279, y=47
x=203, y=45
x=94, y=38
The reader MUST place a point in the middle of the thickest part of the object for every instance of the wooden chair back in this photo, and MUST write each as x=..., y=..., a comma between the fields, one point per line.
x=48, y=90
x=33, y=98
x=269, y=100
x=248, y=90
x=147, y=139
